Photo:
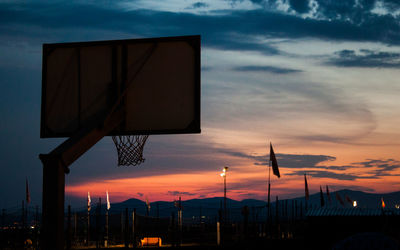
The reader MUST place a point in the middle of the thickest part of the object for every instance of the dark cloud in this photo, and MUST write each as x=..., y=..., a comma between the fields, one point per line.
x=291, y=161
x=383, y=167
x=391, y=5
x=286, y=160
x=198, y=5
x=300, y=6
x=140, y=194
x=268, y=69
x=176, y=193
x=366, y=59
x=331, y=175
x=233, y=30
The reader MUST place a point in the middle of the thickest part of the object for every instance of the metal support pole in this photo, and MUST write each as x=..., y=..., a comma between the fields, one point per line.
x=277, y=218
x=98, y=231
x=88, y=228
x=23, y=215
x=126, y=233
x=134, y=227
x=53, y=203
x=75, y=224
x=225, y=211
x=68, y=245
x=106, y=240
x=55, y=166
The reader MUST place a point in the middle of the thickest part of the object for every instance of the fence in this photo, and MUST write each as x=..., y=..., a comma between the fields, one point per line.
x=126, y=226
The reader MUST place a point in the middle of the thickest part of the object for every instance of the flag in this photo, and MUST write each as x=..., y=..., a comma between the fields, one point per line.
x=306, y=188
x=349, y=200
x=28, y=195
x=272, y=158
x=108, y=201
x=339, y=198
x=88, y=201
x=383, y=203
x=328, y=194
x=321, y=196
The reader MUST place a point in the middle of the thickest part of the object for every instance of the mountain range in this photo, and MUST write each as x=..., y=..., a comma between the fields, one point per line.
x=208, y=208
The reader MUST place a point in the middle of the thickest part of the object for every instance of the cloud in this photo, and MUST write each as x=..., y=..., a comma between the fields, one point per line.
x=366, y=59
x=313, y=164
x=198, y=5
x=285, y=160
x=219, y=30
x=176, y=193
x=300, y=6
x=140, y=194
x=331, y=175
x=382, y=167
x=267, y=69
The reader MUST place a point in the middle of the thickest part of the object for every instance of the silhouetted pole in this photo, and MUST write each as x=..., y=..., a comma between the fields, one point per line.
x=37, y=226
x=268, y=218
x=200, y=215
x=98, y=214
x=3, y=217
x=106, y=241
x=286, y=208
x=158, y=211
x=173, y=227
x=301, y=209
x=292, y=210
x=134, y=227
x=277, y=215
x=180, y=223
x=88, y=227
x=68, y=243
x=122, y=225
x=75, y=224
x=52, y=230
x=126, y=228
x=223, y=174
x=26, y=217
x=245, y=213
x=23, y=215
x=23, y=222
x=225, y=211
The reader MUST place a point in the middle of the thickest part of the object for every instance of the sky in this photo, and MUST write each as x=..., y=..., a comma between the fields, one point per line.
x=317, y=78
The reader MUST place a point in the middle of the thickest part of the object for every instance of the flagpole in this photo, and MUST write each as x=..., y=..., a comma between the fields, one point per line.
x=269, y=195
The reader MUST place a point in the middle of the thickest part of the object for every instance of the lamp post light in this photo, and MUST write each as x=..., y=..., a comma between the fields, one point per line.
x=223, y=174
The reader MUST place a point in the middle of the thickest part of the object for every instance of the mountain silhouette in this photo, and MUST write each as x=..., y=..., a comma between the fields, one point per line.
x=208, y=208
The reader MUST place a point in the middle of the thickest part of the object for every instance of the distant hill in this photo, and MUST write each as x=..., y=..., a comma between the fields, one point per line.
x=208, y=208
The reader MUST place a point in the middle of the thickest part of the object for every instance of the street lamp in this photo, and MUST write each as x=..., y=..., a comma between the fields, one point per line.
x=223, y=174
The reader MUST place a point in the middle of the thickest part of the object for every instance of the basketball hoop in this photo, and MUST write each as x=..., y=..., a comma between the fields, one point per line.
x=130, y=149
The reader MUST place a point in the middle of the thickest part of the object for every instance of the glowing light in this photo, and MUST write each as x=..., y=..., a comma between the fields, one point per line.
x=354, y=203
x=224, y=170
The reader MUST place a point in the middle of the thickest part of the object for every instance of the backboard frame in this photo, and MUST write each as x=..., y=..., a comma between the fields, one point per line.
x=193, y=41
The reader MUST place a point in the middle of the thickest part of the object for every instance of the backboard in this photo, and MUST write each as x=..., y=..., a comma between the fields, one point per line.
x=157, y=80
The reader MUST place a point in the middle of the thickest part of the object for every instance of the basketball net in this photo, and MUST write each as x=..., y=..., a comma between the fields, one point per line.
x=130, y=149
